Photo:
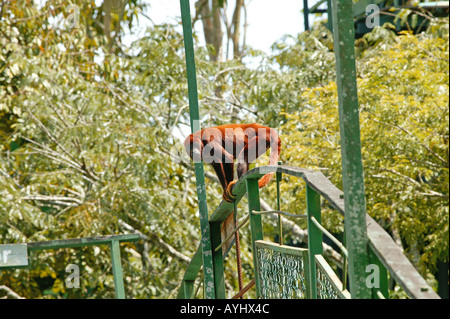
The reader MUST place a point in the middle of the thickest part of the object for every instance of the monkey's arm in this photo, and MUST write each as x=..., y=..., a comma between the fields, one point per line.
x=223, y=163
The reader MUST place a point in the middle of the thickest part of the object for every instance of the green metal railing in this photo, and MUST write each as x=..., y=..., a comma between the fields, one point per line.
x=305, y=272
x=18, y=254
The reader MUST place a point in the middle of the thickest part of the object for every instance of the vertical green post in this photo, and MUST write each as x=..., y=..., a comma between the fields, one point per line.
x=280, y=225
x=207, y=255
x=219, y=279
x=255, y=223
x=352, y=169
x=306, y=14
x=188, y=289
x=330, y=16
x=315, y=236
x=397, y=24
x=117, y=269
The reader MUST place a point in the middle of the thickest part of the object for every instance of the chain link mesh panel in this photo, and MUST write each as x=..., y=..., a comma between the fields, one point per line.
x=324, y=288
x=328, y=284
x=281, y=271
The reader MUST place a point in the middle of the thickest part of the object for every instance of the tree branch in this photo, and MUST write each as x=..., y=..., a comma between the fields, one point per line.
x=155, y=239
x=409, y=179
x=61, y=200
x=10, y=292
x=411, y=135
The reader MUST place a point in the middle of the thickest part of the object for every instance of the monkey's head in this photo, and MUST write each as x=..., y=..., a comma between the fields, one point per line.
x=188, y=145
x=193, y=147
x=241, y=169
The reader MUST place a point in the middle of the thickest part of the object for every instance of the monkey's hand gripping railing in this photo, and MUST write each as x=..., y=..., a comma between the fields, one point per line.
x=288, y=272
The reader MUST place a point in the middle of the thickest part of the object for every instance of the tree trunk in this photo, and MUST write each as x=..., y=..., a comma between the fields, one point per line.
x=115, y=7
x=107, y=20
x=218, y=33
x=209, y=12
x=236, y=28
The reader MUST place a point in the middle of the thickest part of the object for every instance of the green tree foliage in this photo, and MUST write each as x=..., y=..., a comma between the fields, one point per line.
x=90, y=130
x=80, y=157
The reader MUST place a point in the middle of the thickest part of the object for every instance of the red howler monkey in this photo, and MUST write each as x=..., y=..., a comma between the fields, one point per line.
x=221, y=145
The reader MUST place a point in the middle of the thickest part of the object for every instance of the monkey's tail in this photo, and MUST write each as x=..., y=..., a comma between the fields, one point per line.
x=275, y=149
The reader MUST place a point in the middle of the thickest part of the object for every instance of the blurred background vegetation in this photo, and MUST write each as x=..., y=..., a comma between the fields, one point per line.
x=90, y=131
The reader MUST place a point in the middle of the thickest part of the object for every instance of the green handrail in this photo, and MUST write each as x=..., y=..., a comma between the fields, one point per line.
x=112, y=240
x=383, y=250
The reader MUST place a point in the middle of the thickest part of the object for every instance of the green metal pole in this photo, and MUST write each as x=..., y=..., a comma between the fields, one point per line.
x=330, y=16
x=397, y=24
x=117, y=269
x=219, y=278
x=188, y=289
x=255, y=224
x=280, y=225
x=315, y=236
x=352, y=169
x=199, y=173
x=306, y=14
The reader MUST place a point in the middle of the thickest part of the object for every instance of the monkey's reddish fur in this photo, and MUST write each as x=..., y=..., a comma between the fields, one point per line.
x=244, y=139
